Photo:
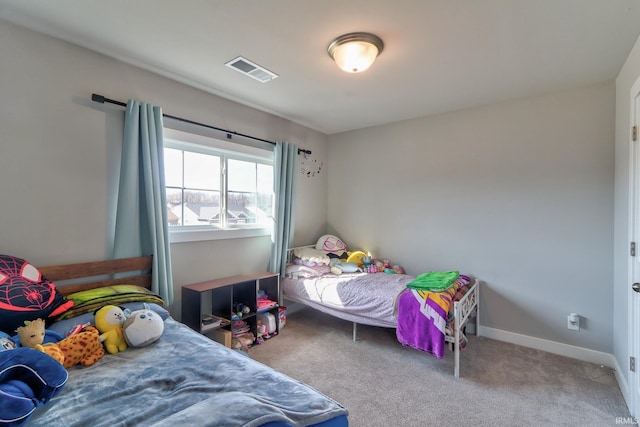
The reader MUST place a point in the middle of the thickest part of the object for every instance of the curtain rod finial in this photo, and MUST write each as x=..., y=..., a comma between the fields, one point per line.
x=97, y=98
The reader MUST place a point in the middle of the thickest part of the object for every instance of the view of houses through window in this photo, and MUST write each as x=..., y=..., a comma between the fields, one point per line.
x=209, y=187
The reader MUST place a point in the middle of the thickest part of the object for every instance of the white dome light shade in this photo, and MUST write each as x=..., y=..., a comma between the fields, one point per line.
x=355, y=52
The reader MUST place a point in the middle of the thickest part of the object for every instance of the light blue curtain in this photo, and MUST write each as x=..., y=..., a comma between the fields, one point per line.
x=141, y=215
x=285, y=161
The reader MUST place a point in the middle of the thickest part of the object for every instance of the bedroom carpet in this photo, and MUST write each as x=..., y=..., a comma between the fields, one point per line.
x=382, y=383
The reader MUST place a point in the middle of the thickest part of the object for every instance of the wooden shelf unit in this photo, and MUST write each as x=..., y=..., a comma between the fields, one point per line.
x=217, y=297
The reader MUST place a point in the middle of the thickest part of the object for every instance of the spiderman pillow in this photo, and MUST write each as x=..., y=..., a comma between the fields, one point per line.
x=25, y=294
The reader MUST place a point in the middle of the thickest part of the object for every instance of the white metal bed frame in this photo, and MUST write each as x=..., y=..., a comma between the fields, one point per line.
x=463, y=309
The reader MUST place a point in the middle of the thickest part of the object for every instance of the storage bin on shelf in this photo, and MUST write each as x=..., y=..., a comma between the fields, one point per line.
x=269, y=320
x=282, y=317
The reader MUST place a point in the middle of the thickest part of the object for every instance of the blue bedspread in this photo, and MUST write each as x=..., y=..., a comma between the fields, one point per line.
x=184, y=379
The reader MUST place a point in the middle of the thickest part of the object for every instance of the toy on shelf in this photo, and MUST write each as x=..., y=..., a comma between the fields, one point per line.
x=241, y=335
x=239, y=310
x=261, y=332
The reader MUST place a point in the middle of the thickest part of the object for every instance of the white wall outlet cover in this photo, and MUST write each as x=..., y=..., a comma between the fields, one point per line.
x=573, y=322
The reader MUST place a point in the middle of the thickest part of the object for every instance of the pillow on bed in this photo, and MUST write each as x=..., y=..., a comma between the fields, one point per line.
x=307, y=272
x=332, y=246
x=90, y=300
x=64, y=326
x=25, y=294
x=310, y=256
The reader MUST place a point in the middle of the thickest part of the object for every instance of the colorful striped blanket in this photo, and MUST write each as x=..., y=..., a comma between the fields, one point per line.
x=423, y=317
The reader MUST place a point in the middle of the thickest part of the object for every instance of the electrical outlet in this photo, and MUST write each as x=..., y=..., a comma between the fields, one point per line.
x=573, y=322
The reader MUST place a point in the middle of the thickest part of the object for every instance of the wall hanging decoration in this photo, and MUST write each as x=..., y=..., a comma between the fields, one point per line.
x=310, y=167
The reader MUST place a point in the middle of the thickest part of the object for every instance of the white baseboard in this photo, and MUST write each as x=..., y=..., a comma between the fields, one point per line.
x=580, y=353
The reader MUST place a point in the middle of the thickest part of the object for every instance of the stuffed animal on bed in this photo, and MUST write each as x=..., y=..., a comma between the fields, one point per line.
x=143, y=327
x=82, y=348
x=32, y=335
x=109, y=321
x=345, y=267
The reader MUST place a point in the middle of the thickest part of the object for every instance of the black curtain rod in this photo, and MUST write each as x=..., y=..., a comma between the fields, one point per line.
x=101, y=99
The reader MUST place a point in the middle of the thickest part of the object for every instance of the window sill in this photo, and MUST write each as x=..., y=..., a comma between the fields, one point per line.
x=199, y=235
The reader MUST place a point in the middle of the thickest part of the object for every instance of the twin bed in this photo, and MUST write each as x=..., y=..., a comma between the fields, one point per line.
x=383, y=300
x=183, y=378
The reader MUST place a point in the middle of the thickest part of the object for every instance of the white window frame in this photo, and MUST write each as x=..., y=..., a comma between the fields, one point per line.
x=204, y=144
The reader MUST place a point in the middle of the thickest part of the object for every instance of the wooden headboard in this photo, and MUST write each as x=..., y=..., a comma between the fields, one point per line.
x=71, y=278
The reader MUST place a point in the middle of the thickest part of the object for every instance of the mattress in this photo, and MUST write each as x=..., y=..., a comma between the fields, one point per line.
x=363, y=298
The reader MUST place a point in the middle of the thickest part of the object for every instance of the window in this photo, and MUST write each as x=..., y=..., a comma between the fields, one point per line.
x=216, y=189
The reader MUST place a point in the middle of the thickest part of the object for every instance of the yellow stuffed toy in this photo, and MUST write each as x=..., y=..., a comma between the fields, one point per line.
x=109, y=321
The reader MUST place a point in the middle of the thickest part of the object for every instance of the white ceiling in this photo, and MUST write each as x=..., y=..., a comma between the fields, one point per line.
x=439, y=55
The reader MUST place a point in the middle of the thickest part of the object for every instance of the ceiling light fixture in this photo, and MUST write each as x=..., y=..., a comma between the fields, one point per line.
x=355, y=52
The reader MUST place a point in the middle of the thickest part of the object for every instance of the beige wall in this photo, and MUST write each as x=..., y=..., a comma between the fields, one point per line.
x=59, y=157
x=518, y=194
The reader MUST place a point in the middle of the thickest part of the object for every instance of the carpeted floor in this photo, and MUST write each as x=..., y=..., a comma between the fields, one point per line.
x=382, y=383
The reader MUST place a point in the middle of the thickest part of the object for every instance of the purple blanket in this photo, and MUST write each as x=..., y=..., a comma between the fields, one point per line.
x=422, y=318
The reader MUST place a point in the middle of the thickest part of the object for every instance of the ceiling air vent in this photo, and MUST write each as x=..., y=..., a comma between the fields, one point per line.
x=251, y=69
